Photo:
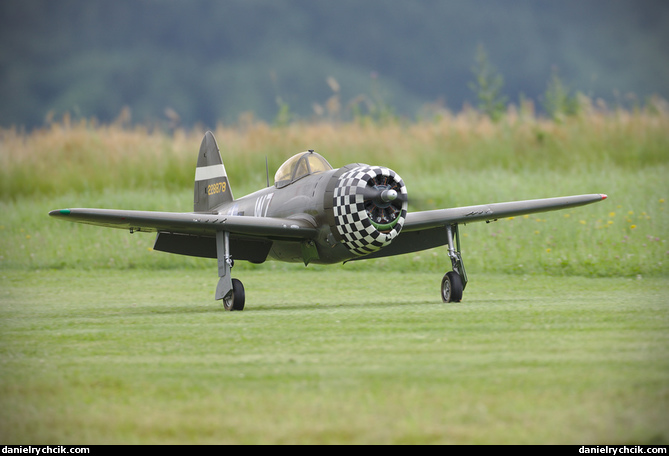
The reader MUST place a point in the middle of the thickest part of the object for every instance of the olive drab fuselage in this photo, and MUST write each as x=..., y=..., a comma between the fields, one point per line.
x=332, y=203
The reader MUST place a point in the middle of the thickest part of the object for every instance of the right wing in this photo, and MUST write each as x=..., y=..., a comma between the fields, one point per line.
x=191, y=223
x=194, y=234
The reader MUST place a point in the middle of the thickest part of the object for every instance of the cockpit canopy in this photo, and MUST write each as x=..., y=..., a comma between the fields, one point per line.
x=298, y=166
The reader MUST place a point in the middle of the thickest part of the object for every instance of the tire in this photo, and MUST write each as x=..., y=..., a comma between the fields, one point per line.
x=451, y=287
x=235, y=300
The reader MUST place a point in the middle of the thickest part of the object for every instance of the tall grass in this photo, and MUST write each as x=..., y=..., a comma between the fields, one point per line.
x=81, y=156
x=447, y=160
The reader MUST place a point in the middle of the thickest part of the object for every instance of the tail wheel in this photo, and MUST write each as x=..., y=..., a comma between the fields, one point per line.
x=235, y=299
x=451, y=287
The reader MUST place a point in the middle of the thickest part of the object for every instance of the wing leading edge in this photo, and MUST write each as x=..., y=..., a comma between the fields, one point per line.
x=191, y=223
x=425, y=230
x=487, y=212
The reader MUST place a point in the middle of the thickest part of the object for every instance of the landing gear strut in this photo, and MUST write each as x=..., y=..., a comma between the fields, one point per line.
x=230, y=290
x=454, y=282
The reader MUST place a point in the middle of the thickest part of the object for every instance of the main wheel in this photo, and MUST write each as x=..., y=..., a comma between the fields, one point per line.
x=235, y=299
x=451, y=287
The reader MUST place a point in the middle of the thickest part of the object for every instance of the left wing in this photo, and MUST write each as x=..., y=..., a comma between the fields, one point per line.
x=488, y=212
x=425, y=230
x=191, y=223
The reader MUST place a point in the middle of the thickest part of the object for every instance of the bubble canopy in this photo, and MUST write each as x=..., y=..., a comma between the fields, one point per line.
x=298, y=166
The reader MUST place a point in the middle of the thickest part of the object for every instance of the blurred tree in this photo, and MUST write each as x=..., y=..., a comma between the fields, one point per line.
x=210, y=60
x=487, y=85
x=558, y=100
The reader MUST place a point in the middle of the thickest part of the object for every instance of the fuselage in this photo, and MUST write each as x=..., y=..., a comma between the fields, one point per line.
x=356, y=210
x=303, y=200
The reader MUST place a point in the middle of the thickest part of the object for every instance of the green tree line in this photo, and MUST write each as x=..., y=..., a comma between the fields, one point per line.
x=208, y=61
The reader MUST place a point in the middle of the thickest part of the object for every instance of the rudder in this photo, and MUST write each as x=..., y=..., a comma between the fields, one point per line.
x=211, y=181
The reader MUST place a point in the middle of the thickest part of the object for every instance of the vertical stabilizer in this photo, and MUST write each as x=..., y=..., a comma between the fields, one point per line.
x=211, y=181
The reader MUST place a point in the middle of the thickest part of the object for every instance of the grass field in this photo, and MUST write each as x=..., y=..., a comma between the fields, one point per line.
x=148, y=357
x=562, y=336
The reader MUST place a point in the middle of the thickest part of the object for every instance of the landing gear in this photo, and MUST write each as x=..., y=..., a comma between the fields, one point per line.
x=451, y=287
x=234, y=300
x=454, y=282
x=230, y=290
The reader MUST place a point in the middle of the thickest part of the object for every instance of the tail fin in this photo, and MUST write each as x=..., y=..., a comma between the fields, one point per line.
x=211, y=181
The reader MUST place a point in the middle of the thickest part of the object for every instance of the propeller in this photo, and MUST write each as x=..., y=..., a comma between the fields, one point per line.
x=369, y=208
x=383, y=201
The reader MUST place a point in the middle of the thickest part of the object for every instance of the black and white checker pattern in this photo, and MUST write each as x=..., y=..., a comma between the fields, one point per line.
x=356, y=230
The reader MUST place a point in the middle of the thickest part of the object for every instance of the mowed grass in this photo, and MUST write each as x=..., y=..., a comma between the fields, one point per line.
x=94, y=357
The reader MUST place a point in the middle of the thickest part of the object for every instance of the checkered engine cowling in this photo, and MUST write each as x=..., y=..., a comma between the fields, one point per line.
x=353, y=215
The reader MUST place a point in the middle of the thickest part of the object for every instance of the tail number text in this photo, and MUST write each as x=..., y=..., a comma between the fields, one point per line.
x=218, y=187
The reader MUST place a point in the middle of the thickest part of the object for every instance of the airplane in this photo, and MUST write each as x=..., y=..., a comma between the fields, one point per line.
x=313, y=213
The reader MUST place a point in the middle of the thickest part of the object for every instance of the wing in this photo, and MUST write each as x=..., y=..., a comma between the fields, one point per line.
x=487, y=212
x=191, y=223
x=425, y=230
